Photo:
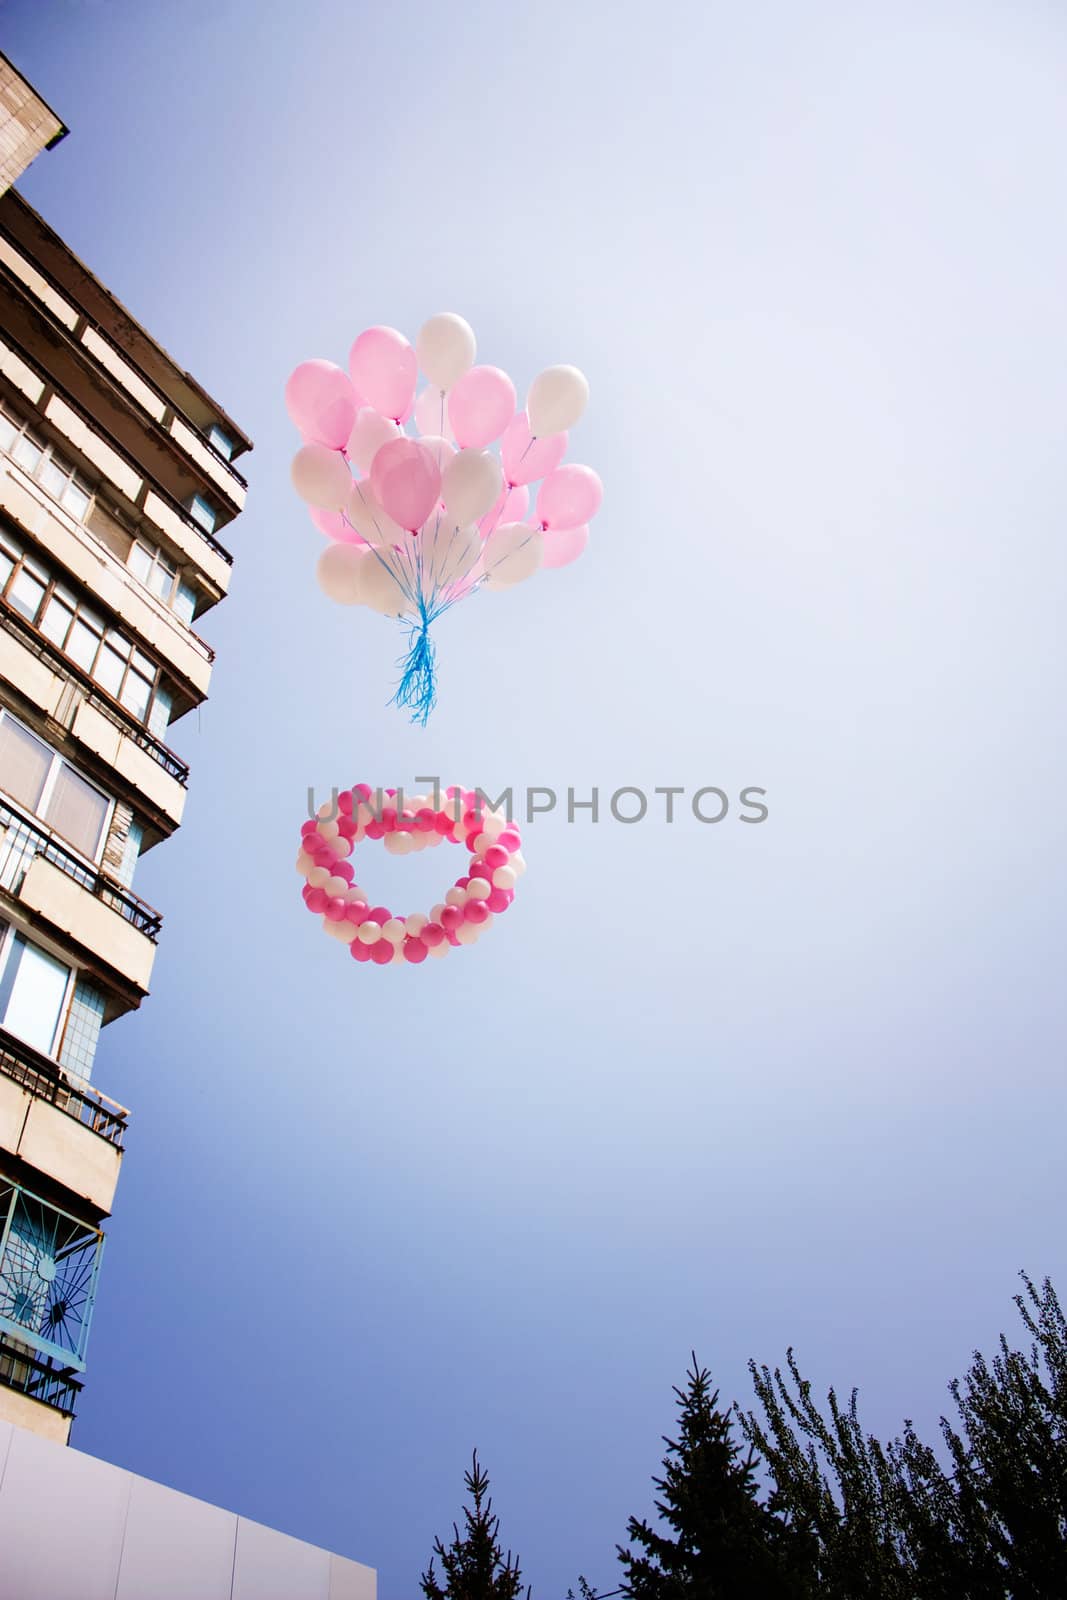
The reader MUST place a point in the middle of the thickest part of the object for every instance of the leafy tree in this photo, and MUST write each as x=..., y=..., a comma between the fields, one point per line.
x=473, y=1566
x=723, y=1541
x=895, y=1523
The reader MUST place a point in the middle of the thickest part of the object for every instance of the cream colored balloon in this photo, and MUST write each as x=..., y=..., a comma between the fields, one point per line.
x=448, y=553
x=431, y=416
x=339, y=572
x=556, y=400
x=446, y=348
x=321, y=477
x=381, y=591
x=471, y=484
x=369, y=520
x=369, y=433
x=512, y=554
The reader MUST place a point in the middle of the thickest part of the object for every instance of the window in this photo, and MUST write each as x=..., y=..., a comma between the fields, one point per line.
x=221, y=441
x=33, y=990
x=48, y=787
x=161, y=576
x=52, y=470
x=202, y=512
x=104, y=653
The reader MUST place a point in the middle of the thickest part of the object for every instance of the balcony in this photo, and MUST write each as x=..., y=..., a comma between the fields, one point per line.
x=114, y=928
x=37, y=1380
x=87, y=432
x=49, y=1264
x=40, y=1077
x=23, y=842
x=61, y=1127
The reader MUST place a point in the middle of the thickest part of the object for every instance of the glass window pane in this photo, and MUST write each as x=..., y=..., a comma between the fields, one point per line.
x=53, y=477
x=24, y=763
x=77, y=811
x=26, y=453
x=8, y=431
x=162, y=580
x=202, y=512
x=31, y=994
x=26, y=594
x=56, y=621
x=140, y=562
x=9, y=543
x=83, y=645
x=109, y=669
x=136, y=694
x=144, y=666
x=7, y=567
x=184, y=603
x=159, y=717
x=222, y=442
x=76, y=499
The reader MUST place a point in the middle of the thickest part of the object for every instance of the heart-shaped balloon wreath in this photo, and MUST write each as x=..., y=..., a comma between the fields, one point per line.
x=373, y=933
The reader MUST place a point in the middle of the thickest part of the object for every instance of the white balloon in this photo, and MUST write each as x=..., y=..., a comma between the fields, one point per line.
x=369, y=520
x=369, y=432
x=505, y=878
x=305, y=863
x=335, y=887
x=446, y=348
x=339, y=572
x=435, y=914
x=339, y=930
x=354, y=896
x=518, y=862
x=415, y=923
x=318, y=877
x=478, y=889
x=381, y=591
x=556, y=400
x=439, y=447
x=431, y=416
x=455, y=897
x=369, y=932
x=327, y=825
x=394, y=930
x=321, y=477
x=467, y=933
x=448, y=553
x=442, y=949
x=470, y=485
x=512, y=553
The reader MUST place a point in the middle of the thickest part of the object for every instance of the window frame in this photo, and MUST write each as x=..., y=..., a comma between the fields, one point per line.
x=49, y=456
x=9, y=932
x=158, y=557
x=92, y=618
x=48, y=789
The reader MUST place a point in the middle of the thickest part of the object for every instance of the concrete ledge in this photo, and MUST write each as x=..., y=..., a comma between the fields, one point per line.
x=64, y=903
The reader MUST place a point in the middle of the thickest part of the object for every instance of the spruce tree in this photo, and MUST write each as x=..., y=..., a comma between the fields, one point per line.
x=718, y=1540
x=473, y=1565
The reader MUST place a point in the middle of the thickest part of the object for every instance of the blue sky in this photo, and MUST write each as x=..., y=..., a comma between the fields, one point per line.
x=722, y=1087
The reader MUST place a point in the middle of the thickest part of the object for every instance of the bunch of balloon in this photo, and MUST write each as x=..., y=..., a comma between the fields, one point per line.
x=425, y=494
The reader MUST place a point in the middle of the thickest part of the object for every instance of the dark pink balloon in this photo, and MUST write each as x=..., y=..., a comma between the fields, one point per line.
x=569, y=496
x=318, y=900
x=476, y=911
x=381, y=951
x=525, y=458
x=509, y=839
x=432, y=935
x=480, y=406
x=451, y=917
x=384, y=370
x=360, y=952
x=415, y=950
x=322, y=402
x=381, y=915
x=406, y=480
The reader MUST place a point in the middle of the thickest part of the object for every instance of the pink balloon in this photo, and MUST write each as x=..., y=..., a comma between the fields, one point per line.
x=525, y=458
x=406, y=481
x=385, y=369
x=564, y=545
x=322, y=402
x=480, y=406
x=334, y=526
x=569, y=496
x=511, y=506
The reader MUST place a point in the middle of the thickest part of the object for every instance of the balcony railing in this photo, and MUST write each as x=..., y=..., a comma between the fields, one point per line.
x=42, y=1078
x=124, y=355
x=95, y=425
x=23, y=841
x=114, y=712
x=54, y=1386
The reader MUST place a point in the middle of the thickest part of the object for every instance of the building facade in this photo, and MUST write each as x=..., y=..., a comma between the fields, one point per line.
x=118, y=477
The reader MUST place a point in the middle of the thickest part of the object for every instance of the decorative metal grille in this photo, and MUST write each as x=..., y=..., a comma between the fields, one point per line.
x=49, y=1262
